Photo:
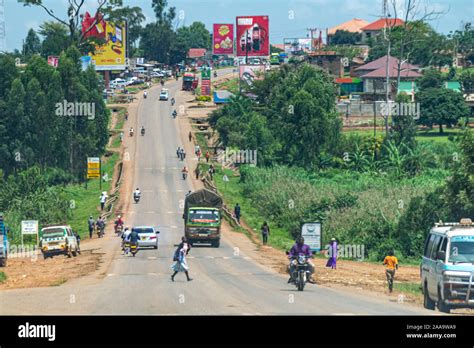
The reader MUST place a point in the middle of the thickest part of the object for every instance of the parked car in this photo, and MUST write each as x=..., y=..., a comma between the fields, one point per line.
x=148, y=236
x=157, y=74
x=447, y=268
x=57, y=240
x=3, y=243
x=164, y=95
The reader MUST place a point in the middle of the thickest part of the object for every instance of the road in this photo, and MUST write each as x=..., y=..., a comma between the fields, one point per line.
x=224, y=282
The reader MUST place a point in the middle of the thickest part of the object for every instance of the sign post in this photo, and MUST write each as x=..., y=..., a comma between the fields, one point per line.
x=94, y=169
x=312, y=234
x=225, y=178
x=29, y=227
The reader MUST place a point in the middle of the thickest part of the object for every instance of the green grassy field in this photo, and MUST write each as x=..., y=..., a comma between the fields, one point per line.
x=3, y=277
x=232, y=85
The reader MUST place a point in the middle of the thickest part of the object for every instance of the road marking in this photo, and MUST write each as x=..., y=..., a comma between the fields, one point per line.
x=226, y=257
x=173, y=226
x=246, y=258
x=149, y=212
x=110, y=275
x=208, y=257
x=151, y=257
x=153, y=274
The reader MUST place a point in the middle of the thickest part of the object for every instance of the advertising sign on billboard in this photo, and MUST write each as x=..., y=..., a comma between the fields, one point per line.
x=223, y=39
x=111, y=55
x=253, y=36
x=93, y=167
x=297, y=45
x=249, y=73
x=311, y=232
x=53, y=61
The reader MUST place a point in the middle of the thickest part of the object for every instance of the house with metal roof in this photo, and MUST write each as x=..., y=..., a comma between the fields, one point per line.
x=375, y=28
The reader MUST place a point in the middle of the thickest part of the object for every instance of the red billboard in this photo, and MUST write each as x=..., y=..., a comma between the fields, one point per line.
x=223, y=39
x=253, y=36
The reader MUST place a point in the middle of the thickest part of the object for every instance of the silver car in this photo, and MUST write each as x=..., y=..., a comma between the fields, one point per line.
x=148, y=236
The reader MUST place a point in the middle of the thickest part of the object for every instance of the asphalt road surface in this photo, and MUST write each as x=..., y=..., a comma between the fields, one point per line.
x=224, y=281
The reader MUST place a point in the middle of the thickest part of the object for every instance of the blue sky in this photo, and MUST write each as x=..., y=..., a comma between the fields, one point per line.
x=288, y=18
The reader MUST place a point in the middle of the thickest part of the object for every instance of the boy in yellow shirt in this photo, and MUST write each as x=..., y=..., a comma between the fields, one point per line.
x=391, y=263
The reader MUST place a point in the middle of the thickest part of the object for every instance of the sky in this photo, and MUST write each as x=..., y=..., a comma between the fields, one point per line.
x=288, y=18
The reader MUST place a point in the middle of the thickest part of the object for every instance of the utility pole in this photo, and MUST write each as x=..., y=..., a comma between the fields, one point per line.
x=387, y=70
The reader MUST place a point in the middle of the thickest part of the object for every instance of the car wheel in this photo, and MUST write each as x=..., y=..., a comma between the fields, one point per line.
x=3, y=263
x=428, y=303
x=216, y=244
x=443, y=307
x=155, y=247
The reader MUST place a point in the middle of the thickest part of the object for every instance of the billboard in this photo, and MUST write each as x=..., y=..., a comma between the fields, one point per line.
x=311, y=232
x=249, y=73
x=253, y=36
x=53, y=61
x=297, y=45
x=223, y=39
x=111, y=55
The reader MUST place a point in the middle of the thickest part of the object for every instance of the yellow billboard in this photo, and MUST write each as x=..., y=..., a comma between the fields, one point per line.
x=111, y=56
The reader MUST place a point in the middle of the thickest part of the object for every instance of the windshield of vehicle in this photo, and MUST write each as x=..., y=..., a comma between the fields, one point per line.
x=54, y=233
x=462, y=249
x=143, y=229
x=203, y=216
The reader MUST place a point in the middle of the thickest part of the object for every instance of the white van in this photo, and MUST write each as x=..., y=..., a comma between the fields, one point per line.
x=447, y=268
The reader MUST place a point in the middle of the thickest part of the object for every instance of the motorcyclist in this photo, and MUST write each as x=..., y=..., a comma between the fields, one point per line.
x=145, y=94
x=125, y=238
x=185, y=172
x=162, y=82
x=136, y=193
x=299, y=248
x=215, y=73
x=174, y=113
x=172, y=101
x=131, y=132
x=118, y=223
x=142, y=130
x=134, y=237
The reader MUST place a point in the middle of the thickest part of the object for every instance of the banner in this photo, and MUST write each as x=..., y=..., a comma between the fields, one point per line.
x=249, y=73
x=111, y=55
x=253, y=36
x=223, y=39
x=53, y=61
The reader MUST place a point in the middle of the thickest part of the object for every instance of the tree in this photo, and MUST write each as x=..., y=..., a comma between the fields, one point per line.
x=441, y=106
x=464, y=41
x=431, y=78
x=274, y=49
x=55, y=38
x=466, y=79
x=344, y=37
x=157, y=37
x=32, y=44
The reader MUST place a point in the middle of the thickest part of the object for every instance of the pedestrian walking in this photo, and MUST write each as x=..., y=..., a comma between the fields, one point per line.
x=190, y=136
x=121, y=136
x=103, y=199
x=207, y=155
x=183, y=154
x=332, y=254
x=265, y=232
x=237, y=212
x=196, y=149
x=212, y=171
x=178, y=152
x=179, y=258
x=199, y=155
x=126, y=115
x=391, y=263
x=196, y=171
x=91, y=224
x=100, y=225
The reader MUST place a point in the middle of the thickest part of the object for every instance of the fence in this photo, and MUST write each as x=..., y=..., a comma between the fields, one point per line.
x=358, y=109
x=109, y=204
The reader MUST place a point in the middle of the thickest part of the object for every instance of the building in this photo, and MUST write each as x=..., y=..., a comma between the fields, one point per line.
x=374, y=74
x=353, y=26
x=327, y=60
x=375, y=28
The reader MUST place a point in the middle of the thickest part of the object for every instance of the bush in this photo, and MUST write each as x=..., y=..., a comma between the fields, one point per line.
x=204, y=98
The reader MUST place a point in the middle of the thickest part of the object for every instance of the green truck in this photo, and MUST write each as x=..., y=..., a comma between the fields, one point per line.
x=202, y=217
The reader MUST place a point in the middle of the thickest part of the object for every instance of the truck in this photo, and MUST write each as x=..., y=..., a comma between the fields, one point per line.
x=3, y=243
x=202, y=217
x=188, y=80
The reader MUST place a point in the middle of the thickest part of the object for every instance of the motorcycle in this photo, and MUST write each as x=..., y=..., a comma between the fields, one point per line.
x=172, y=102
x=100, y=232
x=136, y=198
x=131, y=133
x=133, y=248
x=118, y=229
x=215, y=73
x=126, y=248
x=143, y=131
x=185, y=175
x=174, y=114
x=301, y=273
x=144, y=95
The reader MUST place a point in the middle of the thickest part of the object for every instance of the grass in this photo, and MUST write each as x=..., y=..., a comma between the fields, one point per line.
x=422, y=136
x=120, y=119
x=115, y=141
x=406, y=287
x=85, y=202
x=232, y=85
x=58, y=282
x=3, y=277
